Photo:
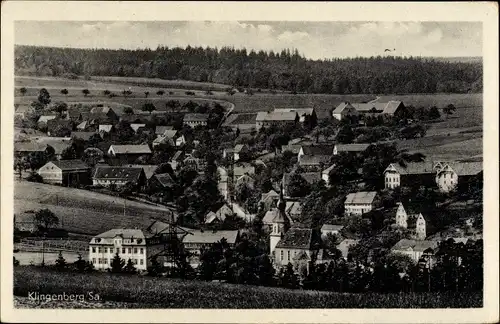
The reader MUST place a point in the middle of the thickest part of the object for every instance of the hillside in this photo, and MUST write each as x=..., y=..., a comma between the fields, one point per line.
x=82, y=211
x=239, y=67
x=150, y=292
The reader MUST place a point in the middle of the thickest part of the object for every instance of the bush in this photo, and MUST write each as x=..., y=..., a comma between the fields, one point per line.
x=34, y=177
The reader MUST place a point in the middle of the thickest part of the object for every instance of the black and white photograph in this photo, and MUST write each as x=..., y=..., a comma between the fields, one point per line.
x=249, y=163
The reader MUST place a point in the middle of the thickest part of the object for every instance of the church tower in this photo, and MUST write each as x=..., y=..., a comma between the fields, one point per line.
x=281, y=223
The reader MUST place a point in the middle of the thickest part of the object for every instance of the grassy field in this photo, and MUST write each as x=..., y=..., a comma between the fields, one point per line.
x=148, y=292
x=82, y=211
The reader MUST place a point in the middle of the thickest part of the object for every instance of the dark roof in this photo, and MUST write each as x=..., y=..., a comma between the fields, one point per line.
x=83, y=135
x=53, y=123
x=314, y=160
x=131, y=149
x=466, y=168
x=414, y=245
x=159, y=130
x=195, y=117
x=318, y=149
x=164, y=179
x=210, y=237
x=118, y=173
x=413, y=168
x=299, y=238
x=29, y=147
x=236, y=119
x=356, y=147
x=70, y=164
x=276, y=116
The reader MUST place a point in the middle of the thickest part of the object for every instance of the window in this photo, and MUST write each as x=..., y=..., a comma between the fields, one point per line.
x=135, y=250
x=111, y=250
x=130, y=250
x=105, y=261
x=135, y=261
x=105, y=250
x=93, y=260
x=123, y=250
x=142, y=250
x=100, y=249
x=288, y=255
x=93, y=249
x=100, y=261
x=281, y=255
x=142, y=261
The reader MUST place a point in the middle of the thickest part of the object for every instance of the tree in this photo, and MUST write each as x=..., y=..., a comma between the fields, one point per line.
x=434, y=113
x=289, y=279
x=64, y=92
x=129, y=267
x=449, y=110
x=106, y=92
x=60, y=107
x=60, y=262
x=173, y=104
x=23, y=91
x=160, y=92
x=45, y=219
x=85, y=92
x=36, y=160
x=298, y=186
x=117, y=264
x=16, y=262
x=148, y=107
x=146, y=93
x=80, y=264
x=92, y=155
x=345, y=134
x=128, y=111
x=44, y=97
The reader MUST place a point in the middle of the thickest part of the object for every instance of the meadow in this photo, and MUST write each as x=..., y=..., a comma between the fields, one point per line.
x=150, y=292
x=83, y=211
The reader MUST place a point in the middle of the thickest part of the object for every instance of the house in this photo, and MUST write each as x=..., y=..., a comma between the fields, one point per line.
x=103, y=115
x=234, y=153
x=119, y=176
x=325, y=174
x=200, y=240
x=459, y=175
x=160, y=130
x=171, y=137
x=358, y=203
x=46, y=118
x=314, y=162
x=324, y=150
x=136, y=126
x=268, y=199
x=242, y=168
x=83, y=135
x=128, y=153
x=245, y=179
x=265, y=119
x=375, y=108
x=193, y=119
x=293, y=209
x=59, y=144
x=105, y=128
x=129, y=244
x=412, y=174
x=149, y=169
x=411, y=219
x=197, y=164
x=415, y=249
x=327, y=229
x=25, y=148
x=162, y=181
x=350, y=148
x=344, y=109
x=57, y=124
x=345, y=245
x=244, y=122
x=301, y=112
x=66, y=172
x=299, y=246
x=74, y=115
x=219, y=216
x=82, y=126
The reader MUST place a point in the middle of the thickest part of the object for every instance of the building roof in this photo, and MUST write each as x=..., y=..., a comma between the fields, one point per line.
x=83, y=135
x=160, y=130
x=299, y=238
x=210, y=237
x=241, y=119
x=149, y=169
x=29, y=147
x=331, y=227
x=414, y=245
x=124, y=232
x=136, y=127
x=177, y=156
x=117, y=173
x=293, y=207
x=465, y=168
x=327, y=170
x=355, y=147
x=314, y=160
x=223, y=212
x=341, y=107
x=101, y=110
x=294, y=148
x=276, y=116
x=361, y=197
x=318, y=149
x=82, y=125
x=311, y=177
x=383, y=107
x=299, y=111
x=194, y=117
x=164, y=179
x=131, y=149
x=412, y=168
x=170, y=133
x=59, y=144
x=67, y=165
x=105, y=128
x=242, y=168
x=46, y=118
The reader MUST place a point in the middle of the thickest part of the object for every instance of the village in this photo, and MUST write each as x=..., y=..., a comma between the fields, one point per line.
x=304, y=191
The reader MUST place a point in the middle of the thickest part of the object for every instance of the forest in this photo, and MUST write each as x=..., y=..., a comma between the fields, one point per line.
x=285, y=71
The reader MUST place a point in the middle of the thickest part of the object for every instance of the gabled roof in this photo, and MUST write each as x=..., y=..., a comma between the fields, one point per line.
x=276, y=116
x=83, y=135
x=314, y=160
x=118, y=173
x=46, y=118
x=149, y=169
x=383, y=107
x=170, y=133
x=131, y=149
x=125, y=233
x=341, y=107
x=29, y=147
x=223, y=212
x=294, y=148
x=299, y=238
x=105, y=128
x=331, y=227
x=239, y=147
x=193, y=117
x=464, y=168
x=160, y=130
x=412, y=168
x=136, y=127
x=82, y=125
x=321, y=149
x=327, y=170
x=210, y=237
x=164, y=179
x=293, y=207
x=414, y=245
x=299, y=111
x=360, y=197
x=355, y=147
x=68, y=165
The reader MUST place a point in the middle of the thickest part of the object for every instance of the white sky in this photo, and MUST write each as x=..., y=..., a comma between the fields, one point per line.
x=315, y=40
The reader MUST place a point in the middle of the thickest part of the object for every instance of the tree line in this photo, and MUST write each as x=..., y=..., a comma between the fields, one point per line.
x=286, y=70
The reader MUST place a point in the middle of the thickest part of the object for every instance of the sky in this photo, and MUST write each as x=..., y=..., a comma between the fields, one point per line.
x=314, y=40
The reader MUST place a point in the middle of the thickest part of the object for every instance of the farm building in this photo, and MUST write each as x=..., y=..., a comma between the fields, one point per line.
x=119, y=176
x=459, y=175
x=350, y=148
x=149, y=169
x=130, y=244
x=314, y=162
x=301, y=112
x=59, y=144
x=265, y=119
x=344, y=109
x=25, y=148
x=162, y=181
x=409, y=175
x=415, y=249
x=389, y=108
x=412, y=219
x=66, y=172
x=193, y=119
x=358, y=203
x=128, y=153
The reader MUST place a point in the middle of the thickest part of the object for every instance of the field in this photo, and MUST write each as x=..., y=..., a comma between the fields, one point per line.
x=148, y=292
x=82, y=211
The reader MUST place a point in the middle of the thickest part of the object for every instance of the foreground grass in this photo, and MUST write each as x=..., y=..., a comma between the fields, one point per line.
x=171, y=293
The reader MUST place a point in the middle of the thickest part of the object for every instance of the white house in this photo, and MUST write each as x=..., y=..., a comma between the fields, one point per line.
x=414, y=221
x=458, y=174
x=358, y=203
x=415, y=248
x=411, y=174
x=344, y=109
x=325, y=174
x=330, y=229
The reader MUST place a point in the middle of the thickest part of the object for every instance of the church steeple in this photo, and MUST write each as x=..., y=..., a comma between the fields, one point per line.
x=281, y=222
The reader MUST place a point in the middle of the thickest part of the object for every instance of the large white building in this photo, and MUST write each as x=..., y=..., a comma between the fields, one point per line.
x=128, y=243
x=358, y=203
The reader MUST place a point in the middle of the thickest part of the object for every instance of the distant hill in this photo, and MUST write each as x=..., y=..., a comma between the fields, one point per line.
x=460, y=59
x=286, y=70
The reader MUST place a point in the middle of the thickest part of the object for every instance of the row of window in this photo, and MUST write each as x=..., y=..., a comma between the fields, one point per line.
x=388, y=180
x=282, y=253
x=112, y=250
x=108, y=261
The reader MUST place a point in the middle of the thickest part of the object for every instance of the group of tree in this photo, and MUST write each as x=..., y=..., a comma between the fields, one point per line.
x=285, y=70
